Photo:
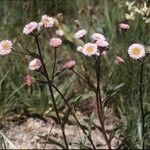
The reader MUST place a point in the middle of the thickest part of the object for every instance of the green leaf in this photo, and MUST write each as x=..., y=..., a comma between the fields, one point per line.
x=113, y=131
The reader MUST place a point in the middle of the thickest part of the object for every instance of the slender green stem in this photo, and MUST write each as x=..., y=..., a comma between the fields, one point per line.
x=141, y=102
x=72, y=112
x=51, y=92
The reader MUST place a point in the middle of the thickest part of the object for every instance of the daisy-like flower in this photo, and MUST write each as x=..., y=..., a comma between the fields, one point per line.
x=80, y=34
x=29, y=28
x=47, y=21
x=90, y=49
x=5, y=47
x=60, y=32
x=102, y=43
x=35, y=64
x=97, y=36
x=69, y=64
x=55, y=42
x=136, y=51
x=79, y=48
x=119, y=60
x=40, y=26
x=124, y=26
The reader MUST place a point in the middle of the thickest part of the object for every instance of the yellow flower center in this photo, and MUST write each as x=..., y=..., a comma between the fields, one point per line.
x=136, y=51
x=89, y=49
x=6, y=47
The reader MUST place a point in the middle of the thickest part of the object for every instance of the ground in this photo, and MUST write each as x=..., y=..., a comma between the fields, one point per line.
x=28, y=132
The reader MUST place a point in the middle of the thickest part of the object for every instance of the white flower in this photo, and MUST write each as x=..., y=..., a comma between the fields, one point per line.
x=90, y=49
x=29, y=28
x=35, y=64
x=97, y=36
x=136, y=51
x=60, y=32
x=130, y=16
x=47, y=21
x=79, y=48
x=5, y=47
x=80, y=34
x=102, y=43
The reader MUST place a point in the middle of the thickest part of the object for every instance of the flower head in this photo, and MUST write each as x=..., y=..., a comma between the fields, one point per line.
x=97, y=36
x=136, y=51
x=80, y=34
x=60, y=32
x=79, y=48
x=69, y=64
x=119, y=60
x=5, y=47
x=35, y=64
x=102, y=43
x=29, y=28
x=90, y=49
x=47, y=21
x=55, y=42
x=40, y=26
x=28, y=80
x=124, y=26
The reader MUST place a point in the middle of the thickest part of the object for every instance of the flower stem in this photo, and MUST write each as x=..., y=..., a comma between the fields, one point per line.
x=124, y=46
x=45, y=73
x=79, y=75
x=99, y=101
x=72, y=112
x=54, y=66
x=141, y=102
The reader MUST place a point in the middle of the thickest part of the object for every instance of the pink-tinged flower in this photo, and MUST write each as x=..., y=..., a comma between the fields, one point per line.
x=30, y=28
x=28, y=80
x=35, y=64
x=119, y=60
x=40, y=26
x=90, y=49
x=79, y=48
x=60, y=32
x=55, y=42
x=5, y=47
x=69, y=64
x=80, y=34
x=98, y=36
x=136, y=51
x=124, y=26
x=102, y=43
x=47, y=21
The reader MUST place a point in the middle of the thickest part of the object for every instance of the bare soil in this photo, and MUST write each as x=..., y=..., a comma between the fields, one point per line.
x=28, y=132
